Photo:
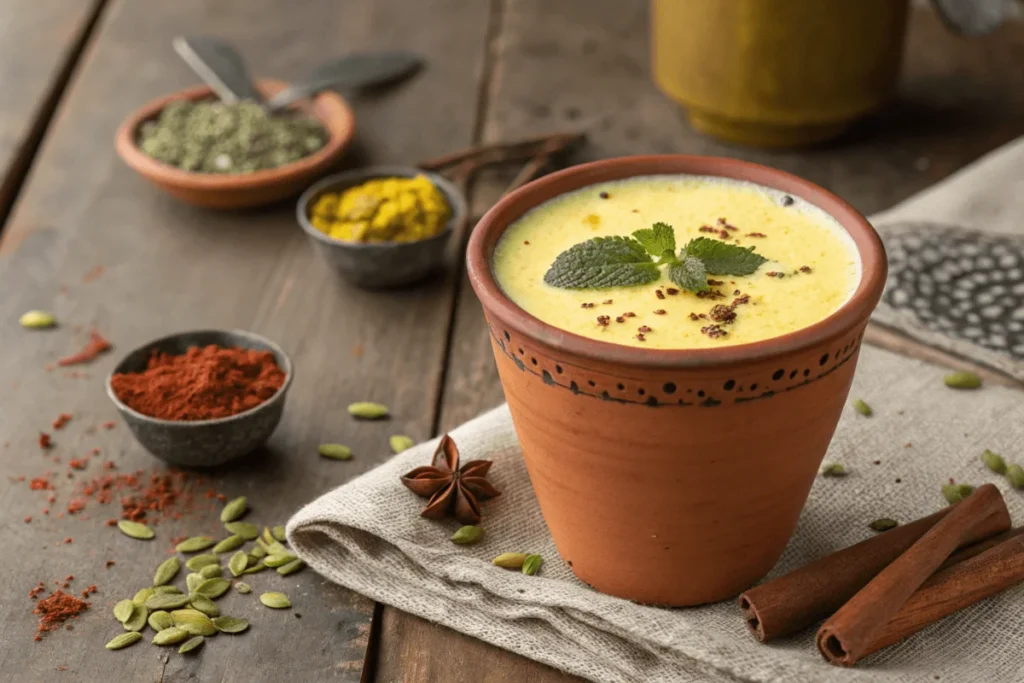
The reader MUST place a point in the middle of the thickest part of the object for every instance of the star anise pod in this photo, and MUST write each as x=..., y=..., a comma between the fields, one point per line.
x=451, y=489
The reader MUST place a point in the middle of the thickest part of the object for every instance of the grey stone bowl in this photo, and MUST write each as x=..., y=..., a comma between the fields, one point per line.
x=204, y=443
x=389, y=264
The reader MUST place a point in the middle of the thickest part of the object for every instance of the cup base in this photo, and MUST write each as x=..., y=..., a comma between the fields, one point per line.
x=763, y=134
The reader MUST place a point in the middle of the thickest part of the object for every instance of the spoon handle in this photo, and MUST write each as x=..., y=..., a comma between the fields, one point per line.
x=219, y=65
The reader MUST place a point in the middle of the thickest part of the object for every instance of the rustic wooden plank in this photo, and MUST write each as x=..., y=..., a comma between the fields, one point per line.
x=959, y=100
x=40, y=41
x=168, y=267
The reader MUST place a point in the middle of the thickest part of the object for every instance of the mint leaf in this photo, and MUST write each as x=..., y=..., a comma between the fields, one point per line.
x=689, y=274
x=657, y=239
x=722, y=258
x=602, y=262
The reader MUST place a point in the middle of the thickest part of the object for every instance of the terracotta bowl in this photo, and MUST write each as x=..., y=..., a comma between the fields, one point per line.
x=672, y=477
x=240, y=190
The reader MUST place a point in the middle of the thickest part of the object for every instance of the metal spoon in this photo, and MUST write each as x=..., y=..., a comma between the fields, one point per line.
x=219, y=65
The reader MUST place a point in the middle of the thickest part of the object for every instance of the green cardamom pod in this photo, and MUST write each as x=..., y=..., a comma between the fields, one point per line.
x=170, y=636
x=123, y=610
x=468, y=535
x=278, y=533
x=213, y=588
x=193, y=580
x=211, y=571
x=238, y=562
x=166, y=589
x=962, y=380
x=137, y=620
x=275, y=600
x=244, y=529
x=143, y=595
x=233, y=510
x=124, y=640
x=883, y=524
x=195, y=544
x=193, y=621
x=954, y=493
x=1015, y=475
x=228, y=544
x=37, y=320
x=256, y=568
x=258, y=552
x=193, y=643
x=367, y=410
x=243, y=587
x=167, y=570
x=833, y=470
x=291, y=567
x=278, y=560
x=203, y=604
x=401, y=442
x=994, y=461
x=510, y=560
x=863, y=408
x=200, y=561
x=231, y=624
x=135, y=530
x=160, y=620
x=167, y=601
x=531, y=565
x=335, y=451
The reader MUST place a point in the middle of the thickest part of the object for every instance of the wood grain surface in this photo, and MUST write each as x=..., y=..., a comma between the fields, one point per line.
x=40, y=42
x=168, y=267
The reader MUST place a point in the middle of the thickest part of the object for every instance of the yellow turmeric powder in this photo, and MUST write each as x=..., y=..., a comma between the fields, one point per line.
x=383, y=210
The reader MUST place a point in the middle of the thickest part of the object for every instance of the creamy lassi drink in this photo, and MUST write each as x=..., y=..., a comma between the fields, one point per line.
x=677, y=262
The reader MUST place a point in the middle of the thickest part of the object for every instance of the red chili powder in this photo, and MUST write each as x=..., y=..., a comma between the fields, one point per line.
x=201, y=384
x=44, y=440
x=61, y=420
x=55, y=609
x=95, y=346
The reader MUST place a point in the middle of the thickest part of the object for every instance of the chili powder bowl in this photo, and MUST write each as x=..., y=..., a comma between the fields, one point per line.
x=672, y=477
x=204, y=443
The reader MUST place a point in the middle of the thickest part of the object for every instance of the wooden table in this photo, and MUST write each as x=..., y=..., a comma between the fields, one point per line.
x=502, y=69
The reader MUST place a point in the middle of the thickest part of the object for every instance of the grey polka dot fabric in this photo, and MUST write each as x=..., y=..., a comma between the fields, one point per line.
x=965, y=284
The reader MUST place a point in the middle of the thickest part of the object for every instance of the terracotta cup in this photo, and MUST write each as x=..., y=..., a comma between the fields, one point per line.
x=672, y=477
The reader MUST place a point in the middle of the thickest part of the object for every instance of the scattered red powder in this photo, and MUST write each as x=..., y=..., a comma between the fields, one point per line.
x=109, y=564
x=61, y=420
x=94, y=451
x=76, y=505
x=55, y=609
x=91, y=588
x=95, y=346
x=39, y=588
x=79, y=463
x=93, y=274
x=28, y=519
x=109, y=465
x=200, y=384
x=44, y=440
x=109, y=424
x=41, y=483
x=46, y=511
x=68, y=540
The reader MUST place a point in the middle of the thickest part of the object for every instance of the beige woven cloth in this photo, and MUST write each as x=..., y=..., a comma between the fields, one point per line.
x=367, y=535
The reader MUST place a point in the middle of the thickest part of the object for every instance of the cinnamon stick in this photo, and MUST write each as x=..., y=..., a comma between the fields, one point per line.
x=949, y=590
x=813, y=592
x=849, y=633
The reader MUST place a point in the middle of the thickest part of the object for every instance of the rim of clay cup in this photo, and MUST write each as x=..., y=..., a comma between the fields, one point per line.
x=503, y=310
x=274, y=348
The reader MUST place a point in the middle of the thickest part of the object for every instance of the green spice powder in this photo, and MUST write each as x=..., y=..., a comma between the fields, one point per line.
x=215, y=137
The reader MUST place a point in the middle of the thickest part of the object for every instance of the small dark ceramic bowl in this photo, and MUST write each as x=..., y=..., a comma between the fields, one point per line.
x=381, y=265
x=204, y=443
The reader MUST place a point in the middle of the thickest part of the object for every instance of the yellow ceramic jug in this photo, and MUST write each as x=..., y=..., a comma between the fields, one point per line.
x=777, y=72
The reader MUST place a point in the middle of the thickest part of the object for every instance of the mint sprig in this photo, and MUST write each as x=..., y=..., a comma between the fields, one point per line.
x=604, y=262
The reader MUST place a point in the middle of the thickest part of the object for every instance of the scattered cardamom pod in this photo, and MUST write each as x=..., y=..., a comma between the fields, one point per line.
x=291, y=567
x=123, y=640
x=243, y=587
x=203, y=604
x=195, y=544
x=143, y=595
x=993, y=461
x=468, y=535
x=194, y=621
x=510, y=560
x=883, y=524
x=199, y=561
x=167, y=570
x=232, y=624
x=37, y=319
x=211, y=571
x=278, y=560
x=123, y=610
x=193, y=580
x=238, y=562
x=401, y=442
x=213, y=588
x=170, y=636
x=160, y=620
x=258, y=552
x=366, y=410
x=256, y=568
x=833, y=470
x=278, y=533
x=137, y=620
x=954, y=493
x=244, y=529
x=275, y=600
x=167, y=601
x=166, y=589
x=335, y=451
x=234, y=509
x=1015, y=475
x=531, y=565
x=863, y=408
x=135, y=530
x=962, y=380
x=229, y=544
x=193, y=643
